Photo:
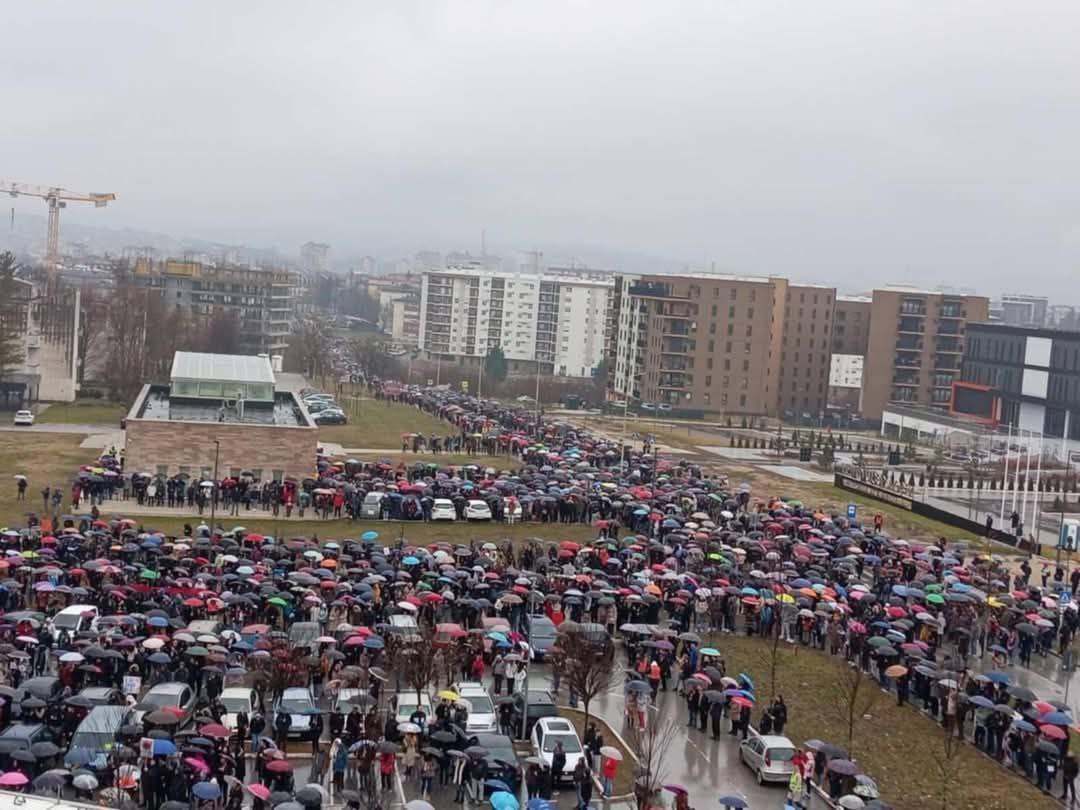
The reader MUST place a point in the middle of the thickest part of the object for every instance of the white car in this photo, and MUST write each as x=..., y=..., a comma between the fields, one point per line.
x=24, y=418
x=477, y=510
x=482, y=716
x=443, y=509
x=299, y=704
x=770, y=757
x=236, y=699
x=549, y=732
x=406, y=705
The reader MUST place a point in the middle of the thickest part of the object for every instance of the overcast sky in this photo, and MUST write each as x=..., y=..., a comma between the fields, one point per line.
x=844, y=142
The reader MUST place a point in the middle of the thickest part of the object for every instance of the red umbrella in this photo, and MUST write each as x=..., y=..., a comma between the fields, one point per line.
x=1053, y=732
x=279, y=766
x=215, y=730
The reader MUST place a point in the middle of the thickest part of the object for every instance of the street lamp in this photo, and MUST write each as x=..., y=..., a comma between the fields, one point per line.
x=214, y=488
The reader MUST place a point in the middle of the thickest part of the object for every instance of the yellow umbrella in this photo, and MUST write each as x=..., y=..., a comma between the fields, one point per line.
x=446, y=694
x=786, y=598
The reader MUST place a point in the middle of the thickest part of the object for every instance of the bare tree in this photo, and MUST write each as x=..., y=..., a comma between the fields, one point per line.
x=419, y=661
x=650, y=746
x=853, y=695
x=586, y=668
x=12, y=315
x=946, y=763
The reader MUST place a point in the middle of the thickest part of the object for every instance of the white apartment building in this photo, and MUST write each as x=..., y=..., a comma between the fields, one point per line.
x=559, y=320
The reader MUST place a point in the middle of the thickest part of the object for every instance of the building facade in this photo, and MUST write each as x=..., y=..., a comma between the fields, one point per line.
x=915, y=347
x=262, y=299
x=721, y=343
x=1024, y=377
x=851, y=325
x=1024, y=310
x=315, y=257
x=557, y=320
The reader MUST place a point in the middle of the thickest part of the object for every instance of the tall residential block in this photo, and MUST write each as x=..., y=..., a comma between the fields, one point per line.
x=720, y=344
x=558, y=319
x=916, y=346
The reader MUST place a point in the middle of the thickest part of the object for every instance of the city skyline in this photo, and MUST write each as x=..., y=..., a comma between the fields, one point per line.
x=883, y=144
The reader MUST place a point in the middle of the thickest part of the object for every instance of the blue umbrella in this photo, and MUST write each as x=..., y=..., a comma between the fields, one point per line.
x=1024, y=725
x=638, y=686
x=540, y=804
x=496, y=784
x=733, y=802
x=745, y=679
x=997, y=677
x=158, y=658
x=207, y=791
x=369, y=537
x=78, y=756
x=164, y=747
x=981, y=701
x=374, y=643
x=157, y=621
x=1056, y=719
x=410, y=560
x=501, y=800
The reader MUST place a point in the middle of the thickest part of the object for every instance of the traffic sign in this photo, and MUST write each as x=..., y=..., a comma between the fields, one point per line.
x=851, y=511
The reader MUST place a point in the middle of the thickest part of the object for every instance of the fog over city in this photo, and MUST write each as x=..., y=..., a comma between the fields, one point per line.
x=851, y=143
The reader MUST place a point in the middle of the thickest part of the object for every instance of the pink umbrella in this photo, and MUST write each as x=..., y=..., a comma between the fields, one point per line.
x=260, y=791
x=13, y=779
x=196, y=763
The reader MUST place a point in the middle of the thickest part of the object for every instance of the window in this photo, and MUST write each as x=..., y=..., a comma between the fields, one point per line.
x=278, y=475
x=734, y=293
x=708, y=381
x=731, y=329
x=256, y=473
x=712, y=328
x=708, y=364
x=205, y=473
x=727, y=347
x=727, y=364
x=750, y=312
x=749, y=330
x=731, y=311
x=742, y=400
x=745, y=365
x=163, y=470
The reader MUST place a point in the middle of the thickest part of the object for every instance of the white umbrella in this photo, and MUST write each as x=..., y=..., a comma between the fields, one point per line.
x=85, y=781
x=154, y=643
x=72, y=658
x=851, y=802
x=408, y=728
x=409, y=606
x=611, y=752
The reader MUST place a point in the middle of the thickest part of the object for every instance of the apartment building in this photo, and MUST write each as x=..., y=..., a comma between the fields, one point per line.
x=1024, y=310
x=263, y=299
x=405, y=320
x=558, y=320
x=851, y=325
x=915, y=346
x=805, y=350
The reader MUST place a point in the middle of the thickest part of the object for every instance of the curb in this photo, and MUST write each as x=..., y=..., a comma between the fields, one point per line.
x=618, y=797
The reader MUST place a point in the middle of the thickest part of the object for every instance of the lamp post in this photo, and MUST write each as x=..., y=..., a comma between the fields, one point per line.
x=214, y=488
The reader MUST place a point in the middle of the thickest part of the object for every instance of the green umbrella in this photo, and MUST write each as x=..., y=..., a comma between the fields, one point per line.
x=877, y=641
x=198, y=652
x=935, y=599
x=148, y=573
x=276, y=600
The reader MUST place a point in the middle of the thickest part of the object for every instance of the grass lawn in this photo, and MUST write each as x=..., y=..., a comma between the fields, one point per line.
x=83, y=413
x=898, y=746
x=47, y=459
x=624, y=776
x=374, y=423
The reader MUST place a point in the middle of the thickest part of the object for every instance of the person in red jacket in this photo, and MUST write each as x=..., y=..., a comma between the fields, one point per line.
x=608, y=768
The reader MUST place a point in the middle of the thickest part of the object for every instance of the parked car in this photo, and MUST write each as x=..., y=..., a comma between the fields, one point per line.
x=372, y=505
x=96, y=735
x=477, y=510
x=406, y=705
x=330, y=416
x=648, y=406
x=500, y=750
x=541, y=705
x=170, y=693
x=236, y=699
x=349, y=696
x=304, y=717
x=24, y=418
x=303, y=634
x=663, y=406
x=549, y=731
x=102, y=696
x=403, y=625
x=769, y=757
x=20, y=736
x=443, y=509
x=482, y=714
x=73, y=619
x=540, y=631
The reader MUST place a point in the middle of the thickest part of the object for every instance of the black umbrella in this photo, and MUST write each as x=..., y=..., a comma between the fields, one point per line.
x=1022, y=693
x=443, y=737
x=309, y=797
x=50, y=780
x=44, y=750
x=387, y=747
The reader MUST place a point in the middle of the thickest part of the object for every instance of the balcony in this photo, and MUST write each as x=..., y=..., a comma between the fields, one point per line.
x=913, y=306
x=656, y=289
x=676, y=346
x=909, y=343
x=911, y=326
x=676, y=329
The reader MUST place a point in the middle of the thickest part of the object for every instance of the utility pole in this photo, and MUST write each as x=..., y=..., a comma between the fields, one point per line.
x=214, y=489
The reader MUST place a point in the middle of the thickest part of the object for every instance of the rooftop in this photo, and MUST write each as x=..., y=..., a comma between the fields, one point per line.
x=222, y=367
x=158, y=405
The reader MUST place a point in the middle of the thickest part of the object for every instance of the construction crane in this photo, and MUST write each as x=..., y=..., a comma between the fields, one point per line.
x=56, y=199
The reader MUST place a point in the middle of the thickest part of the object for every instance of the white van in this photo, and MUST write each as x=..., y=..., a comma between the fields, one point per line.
x=73, y=619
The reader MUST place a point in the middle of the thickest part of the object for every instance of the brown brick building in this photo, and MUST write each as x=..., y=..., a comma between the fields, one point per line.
x=722, y=344
x=915, y=346
x=851, y=325
x=224, y=406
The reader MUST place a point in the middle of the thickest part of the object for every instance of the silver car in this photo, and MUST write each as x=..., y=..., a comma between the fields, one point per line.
x=769, y=757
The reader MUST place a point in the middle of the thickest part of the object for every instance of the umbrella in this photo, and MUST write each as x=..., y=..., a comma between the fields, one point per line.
x=419, y=804
x=207, y=791
x=13, y=779
x=734, y=802
x=844, y=767
x=611, y=753
x=851, y=802
x=87, y=781
x=503, y=800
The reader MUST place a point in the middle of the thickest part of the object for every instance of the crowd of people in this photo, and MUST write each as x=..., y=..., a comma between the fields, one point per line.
x=680, y=559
